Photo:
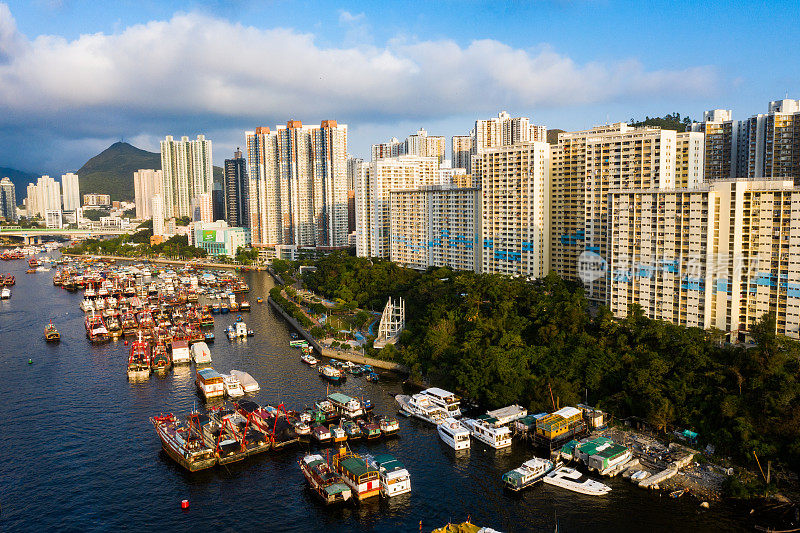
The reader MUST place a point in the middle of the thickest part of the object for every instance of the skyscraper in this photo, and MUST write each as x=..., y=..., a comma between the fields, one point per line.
x=423, y=145
x=71, y=192
x=187, y=173
x=146, y=184
x=236, y=186
x=157, y=203
x=298, y=184
x=8, y=200
x=462, y=152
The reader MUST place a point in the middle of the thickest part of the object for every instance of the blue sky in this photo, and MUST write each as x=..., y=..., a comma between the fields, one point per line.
x=74, y=77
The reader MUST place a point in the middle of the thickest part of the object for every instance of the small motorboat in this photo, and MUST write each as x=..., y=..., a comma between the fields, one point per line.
x=232, y=386
x=209, y=336
x=309, y=359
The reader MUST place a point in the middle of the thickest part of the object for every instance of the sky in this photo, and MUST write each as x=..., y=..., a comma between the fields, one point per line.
x=75, y=77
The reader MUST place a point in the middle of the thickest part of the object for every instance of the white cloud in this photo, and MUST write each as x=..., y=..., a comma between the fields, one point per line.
x=194, y=64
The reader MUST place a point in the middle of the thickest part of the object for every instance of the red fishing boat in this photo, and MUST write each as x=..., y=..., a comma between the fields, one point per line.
x=96, y=328
x=139, y=359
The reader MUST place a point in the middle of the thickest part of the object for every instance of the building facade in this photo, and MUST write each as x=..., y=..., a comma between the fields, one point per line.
x=435, y=226
x=391, y=148
x=236, y=186
x=217, y=238
x=8, y=200
x=96, y=200
x=461, y=149
x=515, y=227
x=721, y=255
x=423, y=145
x=298, y=184
x=71, y=191
x=43, y=197
x=146, y=184
x=157, y=204
x=186, y=172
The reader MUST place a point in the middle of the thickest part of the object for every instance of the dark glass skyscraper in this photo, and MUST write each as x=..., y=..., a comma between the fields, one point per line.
x=235, y=184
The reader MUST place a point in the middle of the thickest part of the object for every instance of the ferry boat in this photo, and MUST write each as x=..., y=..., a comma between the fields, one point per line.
x=201, y=354
x=95, y=328
x=331, y=374
x=309, y=359
x=210, y=383
x=249, y=384
x=345, y=405
x=393, y=477
x=51, y=334
x=139, y=360
x=486, y=431
x=454, y=434
x=530, y=473
x=444, y=399
x=321, y=434
x=422, y=407
x=160, y=360
x=364, y=480
x=570, y=479
x=182, y=445
x=233, y=387
x=327, y=484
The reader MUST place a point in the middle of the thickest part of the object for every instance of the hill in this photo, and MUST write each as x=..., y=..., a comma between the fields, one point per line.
x=667, y=122
x=111, y=171
x=552, y=135
x=21, y=180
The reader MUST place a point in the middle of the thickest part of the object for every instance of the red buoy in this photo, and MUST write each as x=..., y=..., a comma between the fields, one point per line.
x=185, y=504
x=126, y=343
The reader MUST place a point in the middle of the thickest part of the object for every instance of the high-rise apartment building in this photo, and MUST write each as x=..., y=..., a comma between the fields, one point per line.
x=391, y=148
x=237, y=186
x=203, y=208
x=720, y=255
x=423, y=145
x=298, y=184
x=44, y=196
x=585, y=166
x=146, y=184
x=720, y=133
x=435, y=225
x=461, y=150
x=689, y=158
x=71, y=192
x=187, y=172
x=375, y=182
x=8, y=200
x=157, y=205
x=515, y=229
x=352, y=171
x=504, y=130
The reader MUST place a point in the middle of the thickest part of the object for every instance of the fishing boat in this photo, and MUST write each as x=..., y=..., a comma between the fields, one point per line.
x=160, y=360
x=454, y=434
x=114, y=325
x=389, y=425
x=209, y=383
x=51, y=334
x=208, y=336
x=244, y=306
x=183, y=446
x=249, y=384
x=570, y=479
x=393, y=477
x=326, y=483
x=9, y=280
x=363, y=479
x=321, y=434
x=272, y=421
x=139, y=360
x=370, y=429
x=201, y=354
x=233, y=387
x=486, y=431
x=352, y=430
x=129, y=324
x=309, y=359
x=338, y=433
x=331, y=374
x=421, y=407
x=373, y=377
x=530, y=473
x=95, y=328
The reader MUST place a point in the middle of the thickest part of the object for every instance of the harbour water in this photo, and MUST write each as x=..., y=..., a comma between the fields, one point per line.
x=80, y=455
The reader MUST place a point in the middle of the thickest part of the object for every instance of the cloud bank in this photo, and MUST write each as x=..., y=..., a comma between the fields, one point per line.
x=212, y=71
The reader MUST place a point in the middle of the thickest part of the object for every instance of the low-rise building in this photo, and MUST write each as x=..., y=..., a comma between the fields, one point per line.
x=217, y=238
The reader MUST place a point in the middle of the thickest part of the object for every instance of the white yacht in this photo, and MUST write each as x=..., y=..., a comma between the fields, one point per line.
x=5, y=294
x=232, y=385
x=393, y=476
x=421, y=407
x=444, y=399
x=495, y=436
x=248, y=383
x=531, y=471
x=454, y=434
x=571, y=479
